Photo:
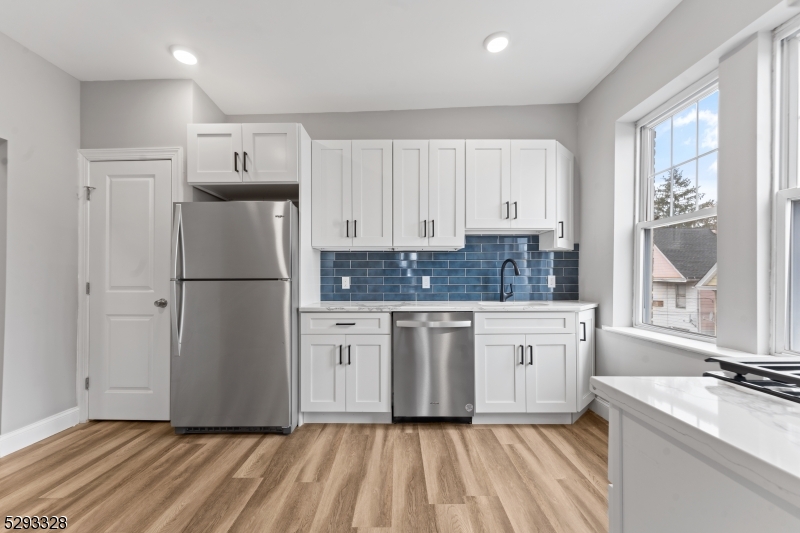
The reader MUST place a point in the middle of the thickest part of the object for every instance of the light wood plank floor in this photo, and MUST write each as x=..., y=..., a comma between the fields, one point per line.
x=141, y=477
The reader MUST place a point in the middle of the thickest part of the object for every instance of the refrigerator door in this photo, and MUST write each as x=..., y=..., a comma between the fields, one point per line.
x=233, y=368
x=232, y=240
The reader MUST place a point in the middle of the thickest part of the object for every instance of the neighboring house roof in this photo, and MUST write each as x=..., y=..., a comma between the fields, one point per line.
x=692, y=251
x=709, y=281
x=663, y=269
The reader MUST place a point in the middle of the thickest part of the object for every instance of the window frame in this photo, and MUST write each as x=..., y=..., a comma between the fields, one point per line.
x=694, y=93
x=786, y=145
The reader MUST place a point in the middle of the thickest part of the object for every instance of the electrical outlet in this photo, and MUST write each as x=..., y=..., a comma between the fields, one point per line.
x=345, y=282
x=426, y=282
x=551, y=282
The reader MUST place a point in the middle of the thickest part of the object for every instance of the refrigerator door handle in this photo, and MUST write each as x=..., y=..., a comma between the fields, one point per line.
x=176, y=316
x=177, y=245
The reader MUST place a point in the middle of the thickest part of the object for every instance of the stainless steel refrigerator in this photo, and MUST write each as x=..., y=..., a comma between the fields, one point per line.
x=234, y=322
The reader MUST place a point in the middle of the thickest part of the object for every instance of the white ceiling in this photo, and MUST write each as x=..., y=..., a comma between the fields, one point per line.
x=283, y=56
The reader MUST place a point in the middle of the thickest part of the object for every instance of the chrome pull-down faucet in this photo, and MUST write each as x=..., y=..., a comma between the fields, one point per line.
x=503, y=294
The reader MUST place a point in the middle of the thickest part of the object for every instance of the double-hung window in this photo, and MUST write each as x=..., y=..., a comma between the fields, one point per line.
x=676, y=230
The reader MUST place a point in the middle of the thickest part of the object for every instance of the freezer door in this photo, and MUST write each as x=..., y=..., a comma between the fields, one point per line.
x=233, y=240
x=233, y=365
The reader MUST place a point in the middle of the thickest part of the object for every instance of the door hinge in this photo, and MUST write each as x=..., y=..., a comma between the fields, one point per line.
x=87, y=383
x=89, y=191
x=88, y=288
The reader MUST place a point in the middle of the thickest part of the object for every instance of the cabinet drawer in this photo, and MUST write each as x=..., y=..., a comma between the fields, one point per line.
x=532, y=322
x=345, y=323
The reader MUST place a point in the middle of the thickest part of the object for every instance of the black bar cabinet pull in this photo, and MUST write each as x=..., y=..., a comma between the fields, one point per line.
x=424, y=228
x=561, y=230
x=236, y=161
x=348, y=354
x=355, y=228
x=348, y=229
x=521, y=354
x=244, y=161
x=345, y=323
x=516, y=213
x=583, y=327
x=508, y=209
x=432, y=229
x=340, y=354
x=530, y=357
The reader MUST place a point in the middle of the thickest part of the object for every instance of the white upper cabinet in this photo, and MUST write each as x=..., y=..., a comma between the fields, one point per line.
x=488, y=184
x=228, y=153
x=563, y=235
x=269, y=152
x=521, y=185
x=410, y=198
x=214, y=153
x=446, y=194
x=331, y=194
x=428, y=184
x=372, y=194
x=532, y=186
x=351, y=194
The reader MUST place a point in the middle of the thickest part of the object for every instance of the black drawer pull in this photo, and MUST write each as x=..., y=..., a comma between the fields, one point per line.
x=345, y=323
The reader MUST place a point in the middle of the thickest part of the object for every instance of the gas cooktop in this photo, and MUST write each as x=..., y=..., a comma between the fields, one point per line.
x=778, y=376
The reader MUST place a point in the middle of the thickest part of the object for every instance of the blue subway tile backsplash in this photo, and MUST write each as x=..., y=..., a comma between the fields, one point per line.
x=469, y=274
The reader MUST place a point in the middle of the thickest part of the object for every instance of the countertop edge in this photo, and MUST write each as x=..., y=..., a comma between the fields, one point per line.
x=373, y=307
x=766, y=475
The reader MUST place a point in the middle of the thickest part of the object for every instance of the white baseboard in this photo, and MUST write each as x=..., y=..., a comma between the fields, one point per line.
x=599, y=406
x=25, y=436
x=522, y=418
x=347, y=418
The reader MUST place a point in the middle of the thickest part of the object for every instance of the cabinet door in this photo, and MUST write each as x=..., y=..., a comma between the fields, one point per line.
x=410, y=199
x=322, y=375
x=331, y=194
x=499, y=374
x=446, y=194
x=533, y=184
x=372, y=193
x=269, y=152
x=488, y=168
x=585, y=357
x=368, y=364
x=563, y=237
x=550, y=373
x=214, y=153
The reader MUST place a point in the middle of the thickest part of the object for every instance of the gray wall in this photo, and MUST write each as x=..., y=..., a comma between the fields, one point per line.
x=40, y=118
x=3, y=238
x=686, y=45
x=558, y=122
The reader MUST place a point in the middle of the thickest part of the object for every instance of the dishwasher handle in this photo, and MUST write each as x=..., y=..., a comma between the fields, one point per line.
x=425, y=324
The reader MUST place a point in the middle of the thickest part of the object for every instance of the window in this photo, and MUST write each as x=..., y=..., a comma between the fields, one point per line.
x=677, y=224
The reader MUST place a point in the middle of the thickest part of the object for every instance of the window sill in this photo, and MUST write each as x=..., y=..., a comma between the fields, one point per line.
x=692, y=345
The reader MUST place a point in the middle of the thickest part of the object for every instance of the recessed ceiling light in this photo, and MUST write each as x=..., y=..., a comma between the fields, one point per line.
x=183, y=55
x=496, y=42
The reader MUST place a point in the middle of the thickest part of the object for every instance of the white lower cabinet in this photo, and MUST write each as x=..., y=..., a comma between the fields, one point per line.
x=534, y=373
x=345, y=373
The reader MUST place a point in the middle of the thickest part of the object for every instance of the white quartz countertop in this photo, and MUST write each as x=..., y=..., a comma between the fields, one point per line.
x=361, y=307
x=751, y=433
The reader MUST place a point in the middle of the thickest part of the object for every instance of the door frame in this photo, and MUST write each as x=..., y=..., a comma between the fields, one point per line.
x=85, y=157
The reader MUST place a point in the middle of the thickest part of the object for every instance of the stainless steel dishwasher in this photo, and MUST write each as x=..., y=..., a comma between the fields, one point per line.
x=433, y=358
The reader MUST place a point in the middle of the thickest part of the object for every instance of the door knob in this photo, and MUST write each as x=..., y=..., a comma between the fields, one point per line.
x=162, y=303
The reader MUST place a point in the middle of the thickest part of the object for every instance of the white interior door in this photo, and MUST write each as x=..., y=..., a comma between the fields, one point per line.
x=269, y=152
x=368, y=379
x=446, y=197
x=550, y=368
x=372, y=193
x=129, y=256
x=410, y=184
x=322, y=373
x=533, y=182
x=214, y=153
x=499, y=374
x=488, y=184
x=331, y=194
